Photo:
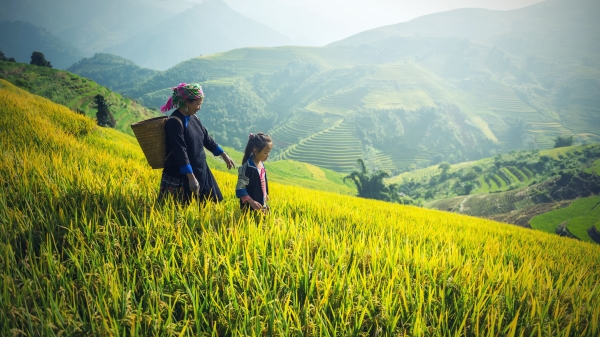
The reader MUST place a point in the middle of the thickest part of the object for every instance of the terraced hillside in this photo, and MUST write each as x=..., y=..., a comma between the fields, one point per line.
x=335, y=147
x=415, y=98
x=505, y=177
x=381, y=161
x=513, y=187
x=341, y=103
x=299, y=127
x=75, y=92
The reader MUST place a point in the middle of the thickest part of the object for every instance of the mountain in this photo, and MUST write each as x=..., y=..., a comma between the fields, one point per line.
x=467, y=23
x=91, y=25
x=19, y=39
x=407, y=101
x=112, y=71
x=53, y=17
x=557, y=18
x=74, y=92
x=88, y=250
x=146, y=36
x=207, y=28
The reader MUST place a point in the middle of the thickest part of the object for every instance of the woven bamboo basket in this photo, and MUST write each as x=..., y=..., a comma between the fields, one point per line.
x=151, y=136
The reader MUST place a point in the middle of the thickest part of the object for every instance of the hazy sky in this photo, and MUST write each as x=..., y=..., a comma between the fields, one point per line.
x=375, y=12
x=360, y=15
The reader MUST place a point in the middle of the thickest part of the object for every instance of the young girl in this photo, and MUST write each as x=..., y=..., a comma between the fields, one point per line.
x=252, y=186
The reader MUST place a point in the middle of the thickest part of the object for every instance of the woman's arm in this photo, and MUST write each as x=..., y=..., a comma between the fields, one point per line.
x=212, y=146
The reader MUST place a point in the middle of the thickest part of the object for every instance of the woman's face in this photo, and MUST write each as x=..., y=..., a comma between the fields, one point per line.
x=194, y=106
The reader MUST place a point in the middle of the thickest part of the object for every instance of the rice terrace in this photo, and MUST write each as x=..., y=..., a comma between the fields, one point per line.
x=433, y=175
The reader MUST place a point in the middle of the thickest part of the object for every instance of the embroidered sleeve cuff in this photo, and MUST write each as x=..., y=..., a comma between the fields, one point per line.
x=245, y=199
x=241, y=193
x=185, y=169
x=218, y=151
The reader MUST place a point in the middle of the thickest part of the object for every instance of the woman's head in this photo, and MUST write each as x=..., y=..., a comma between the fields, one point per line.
x=259, y=145
x=185, y=96
x=191, y=106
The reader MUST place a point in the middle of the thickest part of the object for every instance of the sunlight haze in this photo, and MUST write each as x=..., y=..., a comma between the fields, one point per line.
x=349, y=17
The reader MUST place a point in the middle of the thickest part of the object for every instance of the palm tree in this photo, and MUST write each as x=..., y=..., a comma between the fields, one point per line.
x=369, y=185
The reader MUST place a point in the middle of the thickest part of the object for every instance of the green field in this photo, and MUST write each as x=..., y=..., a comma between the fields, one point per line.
x=580, y=216
x=595, y=168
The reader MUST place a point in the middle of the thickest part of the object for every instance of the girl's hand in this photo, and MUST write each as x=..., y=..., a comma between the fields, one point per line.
x=228, y=161
x=266, y=209
x=255, y=205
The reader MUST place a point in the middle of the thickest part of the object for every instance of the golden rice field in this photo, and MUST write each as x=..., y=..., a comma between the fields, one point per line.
x=86, y=250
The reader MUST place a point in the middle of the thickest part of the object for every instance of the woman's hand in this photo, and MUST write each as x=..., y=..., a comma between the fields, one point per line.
x=228, y=161
x=193, y=183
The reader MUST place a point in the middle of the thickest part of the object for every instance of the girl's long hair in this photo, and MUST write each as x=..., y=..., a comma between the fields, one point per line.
x=258, y=142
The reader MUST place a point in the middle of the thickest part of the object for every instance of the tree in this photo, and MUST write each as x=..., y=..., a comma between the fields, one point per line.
x=561, y=141
x=38, y=59
x=445, y=167
x=6, y=59
x=103, y=116
x=369, y=185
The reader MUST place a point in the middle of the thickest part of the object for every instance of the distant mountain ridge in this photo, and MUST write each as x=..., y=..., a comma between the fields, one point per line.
x=87, y=24
x=158, y=35
x=564, y=19
x=19, y=39
x=204, y=29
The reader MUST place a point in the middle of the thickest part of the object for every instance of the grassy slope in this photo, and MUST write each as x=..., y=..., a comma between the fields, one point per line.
x=294, y=173
x=496, y=200
x=86, y=250
x=595, y=168
x=74, y=92
x=579, y=215
x=428, y=172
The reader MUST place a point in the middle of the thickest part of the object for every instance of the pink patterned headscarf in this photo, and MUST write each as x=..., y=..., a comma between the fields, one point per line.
x=180, y=93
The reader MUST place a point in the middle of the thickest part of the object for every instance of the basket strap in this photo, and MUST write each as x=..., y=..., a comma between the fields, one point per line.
x=180, y=122
x=177, y=118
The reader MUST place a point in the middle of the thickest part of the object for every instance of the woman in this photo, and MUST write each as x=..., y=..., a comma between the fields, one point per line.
x=186, y=172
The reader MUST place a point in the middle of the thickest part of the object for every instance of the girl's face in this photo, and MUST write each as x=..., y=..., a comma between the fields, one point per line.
x=194, y=106
x=263, y=154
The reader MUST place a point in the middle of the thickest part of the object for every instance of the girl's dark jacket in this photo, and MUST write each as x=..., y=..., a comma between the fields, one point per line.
x=249, y=183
